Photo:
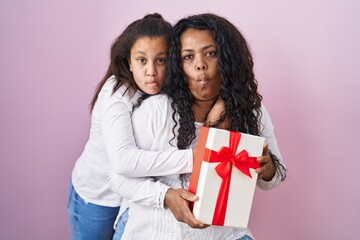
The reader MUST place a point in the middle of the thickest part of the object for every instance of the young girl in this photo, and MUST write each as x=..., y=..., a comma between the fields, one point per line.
x=136, y=70
x=208, y=59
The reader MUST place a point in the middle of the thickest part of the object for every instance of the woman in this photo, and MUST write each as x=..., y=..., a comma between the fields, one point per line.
x=208, y=60
x=136, y=70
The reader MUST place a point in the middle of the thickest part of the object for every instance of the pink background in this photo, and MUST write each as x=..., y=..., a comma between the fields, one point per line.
x=307, y=57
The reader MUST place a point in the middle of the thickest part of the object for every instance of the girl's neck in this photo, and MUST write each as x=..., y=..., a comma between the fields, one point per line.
x=201, y=109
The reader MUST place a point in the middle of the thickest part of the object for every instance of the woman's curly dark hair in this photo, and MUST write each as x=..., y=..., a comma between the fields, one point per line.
x=238, y=84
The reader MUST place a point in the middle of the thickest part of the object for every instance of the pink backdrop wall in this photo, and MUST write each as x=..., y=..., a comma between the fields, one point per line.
x=307, y=57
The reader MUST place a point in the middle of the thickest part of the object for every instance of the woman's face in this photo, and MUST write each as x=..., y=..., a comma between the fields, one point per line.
x=199, y=63
x=147, y=63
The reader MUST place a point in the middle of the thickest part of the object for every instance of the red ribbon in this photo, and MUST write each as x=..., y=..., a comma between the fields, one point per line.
x=227, y=157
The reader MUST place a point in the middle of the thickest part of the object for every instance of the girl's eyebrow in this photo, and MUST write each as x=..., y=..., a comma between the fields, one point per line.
x=140, y=52
x=144, y=53
x=162, y=53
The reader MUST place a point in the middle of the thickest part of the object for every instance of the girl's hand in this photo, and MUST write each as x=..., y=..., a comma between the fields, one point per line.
x=267, y=168
x=215, y=114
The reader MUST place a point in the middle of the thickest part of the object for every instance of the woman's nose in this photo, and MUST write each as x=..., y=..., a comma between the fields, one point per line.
x=201, y=66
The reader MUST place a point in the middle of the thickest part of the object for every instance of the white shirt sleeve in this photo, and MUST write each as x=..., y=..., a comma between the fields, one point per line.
x=143, y=191
x=150, y=123
x=125, y=157
x=267, y=131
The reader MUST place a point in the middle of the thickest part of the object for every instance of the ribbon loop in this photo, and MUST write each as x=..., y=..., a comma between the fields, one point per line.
x=242, y=161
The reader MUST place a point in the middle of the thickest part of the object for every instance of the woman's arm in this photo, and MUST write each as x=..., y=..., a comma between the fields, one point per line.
x=272, y=168
x=271, y=159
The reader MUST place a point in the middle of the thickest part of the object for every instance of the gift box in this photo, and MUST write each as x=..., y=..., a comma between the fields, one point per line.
x=224, y=176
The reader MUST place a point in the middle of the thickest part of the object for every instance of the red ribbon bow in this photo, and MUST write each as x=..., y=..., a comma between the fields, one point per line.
x=227, y=157
x=242, y=161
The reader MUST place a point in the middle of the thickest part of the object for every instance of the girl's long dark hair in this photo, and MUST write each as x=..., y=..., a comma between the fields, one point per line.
x=238, y=84
x=152, y=25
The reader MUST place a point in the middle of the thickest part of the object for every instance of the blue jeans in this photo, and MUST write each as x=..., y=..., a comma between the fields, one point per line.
x=120, y=226
x=246, y=237
x=89, y=221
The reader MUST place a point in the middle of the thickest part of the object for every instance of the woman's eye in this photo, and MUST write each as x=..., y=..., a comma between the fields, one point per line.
x=188, y=57
x=211, y=53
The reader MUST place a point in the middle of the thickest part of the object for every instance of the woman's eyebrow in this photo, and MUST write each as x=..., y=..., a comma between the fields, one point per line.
x=203, y=48
x=209, y=46
x=187, y=50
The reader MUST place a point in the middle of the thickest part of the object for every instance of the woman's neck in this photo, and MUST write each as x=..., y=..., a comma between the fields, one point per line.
x=201, y=109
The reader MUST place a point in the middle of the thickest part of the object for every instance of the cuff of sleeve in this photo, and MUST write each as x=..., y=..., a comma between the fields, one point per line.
x=267, y=185
x=162, y=194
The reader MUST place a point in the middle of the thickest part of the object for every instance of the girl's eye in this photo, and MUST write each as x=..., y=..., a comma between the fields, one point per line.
x=141, y=60
x=161, y=60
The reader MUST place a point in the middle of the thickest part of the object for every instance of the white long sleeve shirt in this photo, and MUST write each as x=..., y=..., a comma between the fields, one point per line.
x=112, y=147
x=148, y=219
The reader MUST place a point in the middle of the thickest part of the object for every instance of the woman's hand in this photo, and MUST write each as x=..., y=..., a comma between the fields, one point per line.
x=267, y=168
x=177, y=200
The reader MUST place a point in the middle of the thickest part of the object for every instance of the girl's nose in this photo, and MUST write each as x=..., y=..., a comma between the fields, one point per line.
x=151, y=71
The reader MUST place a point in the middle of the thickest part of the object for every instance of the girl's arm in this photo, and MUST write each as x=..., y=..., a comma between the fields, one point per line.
x=126, y=158
x=151, y=129
x=148, y=192
x=143, y=191
x=153, y=126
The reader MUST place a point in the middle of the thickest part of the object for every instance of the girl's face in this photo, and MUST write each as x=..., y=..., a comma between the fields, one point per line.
x=147, y=63
x=199, y=63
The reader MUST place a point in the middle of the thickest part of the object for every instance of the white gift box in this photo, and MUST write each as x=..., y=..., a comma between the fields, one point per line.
x=224, y=176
